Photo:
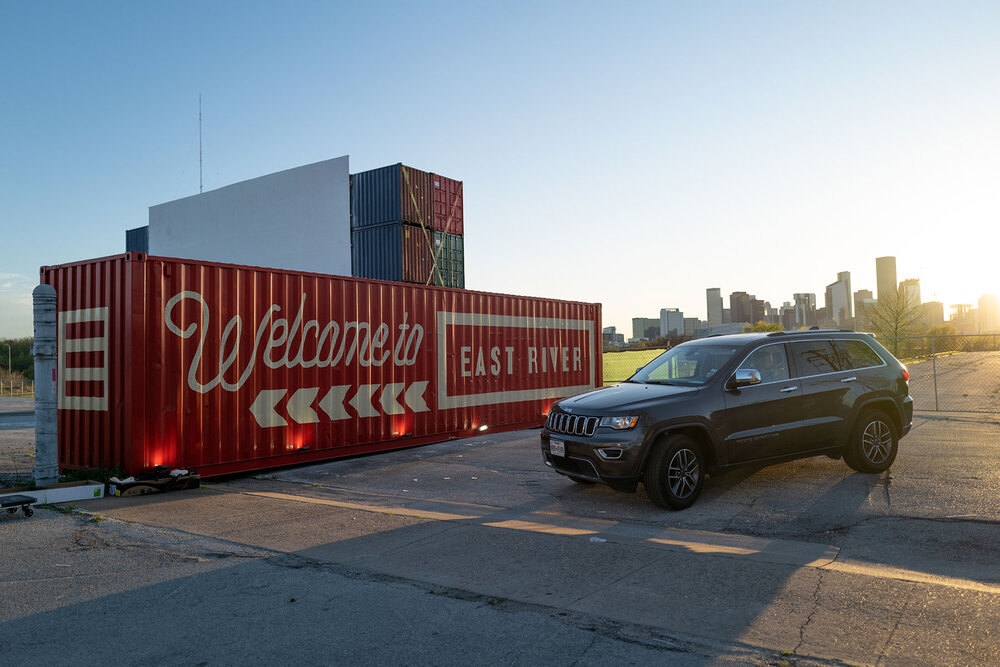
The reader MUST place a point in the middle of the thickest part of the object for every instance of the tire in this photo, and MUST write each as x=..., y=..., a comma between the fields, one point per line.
x=676, y=473
x=873, y=444
x=28, y=512
x=581, y=480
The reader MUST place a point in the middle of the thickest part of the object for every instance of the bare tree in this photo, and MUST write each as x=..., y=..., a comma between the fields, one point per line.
x=894, y=317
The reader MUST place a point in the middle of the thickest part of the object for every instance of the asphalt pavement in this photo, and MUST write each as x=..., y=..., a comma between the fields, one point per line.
x=472, y=551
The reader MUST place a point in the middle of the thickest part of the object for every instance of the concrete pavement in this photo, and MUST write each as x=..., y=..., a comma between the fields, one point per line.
x=476, y=541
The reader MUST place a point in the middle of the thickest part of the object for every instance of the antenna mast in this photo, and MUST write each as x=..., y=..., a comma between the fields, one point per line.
x=200, y=185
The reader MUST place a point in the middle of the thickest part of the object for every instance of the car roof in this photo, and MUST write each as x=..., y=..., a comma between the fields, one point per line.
x=745, y=338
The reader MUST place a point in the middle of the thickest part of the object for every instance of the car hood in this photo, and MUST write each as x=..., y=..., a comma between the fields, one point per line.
x=621, y=398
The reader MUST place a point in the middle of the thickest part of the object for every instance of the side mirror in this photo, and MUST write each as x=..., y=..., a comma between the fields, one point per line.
x=744, y=377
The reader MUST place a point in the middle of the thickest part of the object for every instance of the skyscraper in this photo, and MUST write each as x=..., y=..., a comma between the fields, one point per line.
x=786, y=316
x=671, y=322
x=885, y=277
x=805, y=309
x=911, y=291
x=863, y=300
x=739, y=307
x=714, y=297
x=645, y=328
x=838, y=299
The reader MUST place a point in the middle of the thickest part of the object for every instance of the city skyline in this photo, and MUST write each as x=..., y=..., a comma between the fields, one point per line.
x=848, y=305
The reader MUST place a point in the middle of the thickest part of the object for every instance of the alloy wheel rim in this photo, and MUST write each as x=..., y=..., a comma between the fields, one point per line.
x=876, y=442
x=683, y=473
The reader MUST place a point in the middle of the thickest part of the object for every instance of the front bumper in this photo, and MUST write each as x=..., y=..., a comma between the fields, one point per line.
x=612, y=457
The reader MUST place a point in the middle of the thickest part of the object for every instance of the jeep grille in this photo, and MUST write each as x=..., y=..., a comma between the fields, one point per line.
x=559, y=422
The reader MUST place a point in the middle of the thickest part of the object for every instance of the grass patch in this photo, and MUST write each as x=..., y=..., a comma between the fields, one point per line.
x=619, y=366
x=95, y=474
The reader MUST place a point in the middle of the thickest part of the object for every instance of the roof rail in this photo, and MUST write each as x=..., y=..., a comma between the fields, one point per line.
x=810, y=330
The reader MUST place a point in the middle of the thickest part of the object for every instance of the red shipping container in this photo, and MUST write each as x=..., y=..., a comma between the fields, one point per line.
x=417, y=199
x=417, y=250
x=448, y=215
x=225, y=368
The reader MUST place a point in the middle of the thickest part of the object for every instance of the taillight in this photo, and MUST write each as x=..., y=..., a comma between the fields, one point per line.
x=906, y=373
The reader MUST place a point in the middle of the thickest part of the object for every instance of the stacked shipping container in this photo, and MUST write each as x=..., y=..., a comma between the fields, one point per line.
x=407, y=225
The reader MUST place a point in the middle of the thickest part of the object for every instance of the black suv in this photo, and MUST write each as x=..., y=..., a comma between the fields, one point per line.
x=718, y=402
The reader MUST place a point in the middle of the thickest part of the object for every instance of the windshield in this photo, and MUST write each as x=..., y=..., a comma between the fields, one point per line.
x=689, y=364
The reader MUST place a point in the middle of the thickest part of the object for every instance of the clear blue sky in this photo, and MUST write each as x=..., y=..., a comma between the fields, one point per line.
x=631, y=154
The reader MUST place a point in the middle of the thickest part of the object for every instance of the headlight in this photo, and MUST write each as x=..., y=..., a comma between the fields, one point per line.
x=619, y=423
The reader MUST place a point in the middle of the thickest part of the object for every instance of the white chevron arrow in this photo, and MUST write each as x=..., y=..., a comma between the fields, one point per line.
x=263, y=408
x=300, y=406
x=390, y=399
x=333, y=403
x=414, y=397
x=362, y=401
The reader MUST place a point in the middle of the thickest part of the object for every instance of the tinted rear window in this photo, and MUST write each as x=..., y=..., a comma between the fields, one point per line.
x=815, y=357
x=856, y=354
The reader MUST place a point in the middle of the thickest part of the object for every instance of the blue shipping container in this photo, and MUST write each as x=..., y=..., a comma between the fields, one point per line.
x=395, y=251
x=137, y=240
x=396, y=193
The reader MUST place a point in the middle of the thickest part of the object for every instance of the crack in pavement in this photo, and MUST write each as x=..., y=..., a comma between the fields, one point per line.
x=812, y=612
x=887, y=479
x=888, y=642
x=586, y=649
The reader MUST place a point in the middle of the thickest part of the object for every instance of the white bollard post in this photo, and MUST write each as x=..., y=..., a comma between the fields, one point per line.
x=46, y=409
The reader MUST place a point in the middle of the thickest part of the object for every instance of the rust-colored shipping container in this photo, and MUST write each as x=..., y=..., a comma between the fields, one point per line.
x=225, y=368
x=448, y=216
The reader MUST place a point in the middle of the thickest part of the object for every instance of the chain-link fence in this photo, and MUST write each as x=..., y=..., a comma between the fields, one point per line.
x=951, y=373
x=958, y=373
x=621, y=365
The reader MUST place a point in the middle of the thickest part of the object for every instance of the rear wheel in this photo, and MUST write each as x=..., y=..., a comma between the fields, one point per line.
x=676, y=473
x=873, y=444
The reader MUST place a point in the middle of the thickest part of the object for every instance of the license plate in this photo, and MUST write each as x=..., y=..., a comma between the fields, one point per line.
x=557, y=448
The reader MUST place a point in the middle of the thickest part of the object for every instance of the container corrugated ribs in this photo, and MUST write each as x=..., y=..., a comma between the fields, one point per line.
x=448, y=214
x=396, y=193
x=225, y=368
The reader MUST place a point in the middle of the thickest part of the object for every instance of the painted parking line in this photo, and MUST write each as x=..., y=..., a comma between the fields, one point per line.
x=398, y=511
x=782, y=552
x=778, y=551
x=917, y=577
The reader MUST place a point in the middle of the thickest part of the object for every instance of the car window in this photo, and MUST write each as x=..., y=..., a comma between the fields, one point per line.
x=687, y=364
x=770, y=361
x=815, y=357
x=856, y=354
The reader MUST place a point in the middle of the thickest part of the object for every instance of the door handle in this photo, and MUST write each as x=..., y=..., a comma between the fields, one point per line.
x=850, y=379
x=785, y=390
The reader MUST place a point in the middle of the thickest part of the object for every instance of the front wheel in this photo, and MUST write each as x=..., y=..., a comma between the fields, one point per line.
x=873, y=444
x=676, y=473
